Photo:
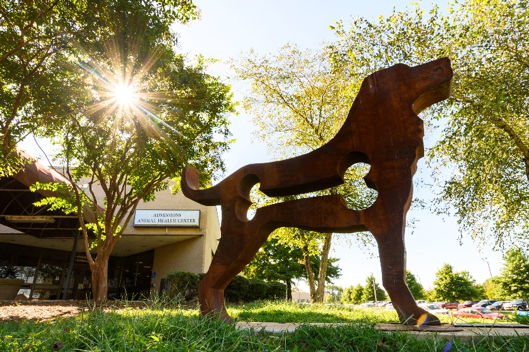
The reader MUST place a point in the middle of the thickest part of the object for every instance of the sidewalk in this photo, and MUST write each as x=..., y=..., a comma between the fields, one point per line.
x=450, y=332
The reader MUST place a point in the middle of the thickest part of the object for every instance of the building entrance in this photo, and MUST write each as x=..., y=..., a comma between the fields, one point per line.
x=45, y=273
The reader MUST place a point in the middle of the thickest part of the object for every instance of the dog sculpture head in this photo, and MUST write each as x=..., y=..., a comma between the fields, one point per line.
x=426, y=84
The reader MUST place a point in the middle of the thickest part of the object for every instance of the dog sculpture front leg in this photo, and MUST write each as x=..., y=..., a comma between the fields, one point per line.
x=386, y=221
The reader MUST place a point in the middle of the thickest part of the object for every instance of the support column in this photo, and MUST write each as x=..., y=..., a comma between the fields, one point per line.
x=70, y=266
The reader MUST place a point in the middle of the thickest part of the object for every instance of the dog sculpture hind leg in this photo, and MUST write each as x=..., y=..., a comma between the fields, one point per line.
x=382, y=129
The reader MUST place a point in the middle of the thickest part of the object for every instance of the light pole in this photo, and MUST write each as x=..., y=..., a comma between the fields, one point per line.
x=374, y=290
x=487, y=261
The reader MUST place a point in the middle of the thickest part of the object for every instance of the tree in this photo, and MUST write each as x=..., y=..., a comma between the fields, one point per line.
x=430, y=296
x=40, y=42
x=453, y=286
x=484, y=144
x=333, y=270
x=277, y=262
x=513, y=281
x=493, y=289
x=356, y=294
x=298, y=104
x=416, y=289
x=346, y=295
x=144, y=113
x=368, y=291
x=353, y=294
x=282, y=262
x=335, y=293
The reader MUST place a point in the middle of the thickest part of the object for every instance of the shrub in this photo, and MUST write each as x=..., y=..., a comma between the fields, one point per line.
x=257, y=290
x=237, y=290
x=183, y=284
x=276, y=290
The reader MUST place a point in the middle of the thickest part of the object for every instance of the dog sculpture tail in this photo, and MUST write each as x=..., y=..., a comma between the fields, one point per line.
x=191, y=188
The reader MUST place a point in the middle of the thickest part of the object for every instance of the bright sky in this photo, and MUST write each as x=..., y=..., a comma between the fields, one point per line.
x=229, y=27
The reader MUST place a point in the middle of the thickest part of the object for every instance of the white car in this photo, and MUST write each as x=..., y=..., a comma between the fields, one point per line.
x=433, y=308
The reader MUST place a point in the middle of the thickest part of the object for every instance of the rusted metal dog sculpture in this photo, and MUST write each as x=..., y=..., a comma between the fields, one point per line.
x=383, y=130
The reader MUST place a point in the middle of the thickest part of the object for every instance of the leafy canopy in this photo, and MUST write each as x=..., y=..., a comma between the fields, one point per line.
x=41, y=41
x=513, y=281
x=455, y=286
x=481, y=160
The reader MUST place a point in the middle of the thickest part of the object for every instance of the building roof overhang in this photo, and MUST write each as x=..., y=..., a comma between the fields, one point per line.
x=17, y=209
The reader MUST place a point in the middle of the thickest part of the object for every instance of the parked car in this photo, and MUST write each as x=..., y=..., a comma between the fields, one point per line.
x=477, y=313
x=518, y=304
x=466, y=304
x=451, y=305
x=484, y=303
x=496, y=305
x=433, y=308
x=441, y=304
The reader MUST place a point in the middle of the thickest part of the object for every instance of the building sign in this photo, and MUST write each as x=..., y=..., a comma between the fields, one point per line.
x=167, y=218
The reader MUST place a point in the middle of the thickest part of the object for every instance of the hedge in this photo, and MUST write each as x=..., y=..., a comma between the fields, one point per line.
x=185, y=285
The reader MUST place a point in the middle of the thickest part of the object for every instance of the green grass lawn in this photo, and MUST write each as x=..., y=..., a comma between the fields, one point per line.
x=283, y=312
x=180, y=329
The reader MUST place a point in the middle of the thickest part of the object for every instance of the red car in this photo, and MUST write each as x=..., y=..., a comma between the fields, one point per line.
x=466, y=304
x=477, y=313
x=451, y=305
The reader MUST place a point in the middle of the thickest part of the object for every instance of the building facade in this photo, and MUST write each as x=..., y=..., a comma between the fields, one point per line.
x=171, y=233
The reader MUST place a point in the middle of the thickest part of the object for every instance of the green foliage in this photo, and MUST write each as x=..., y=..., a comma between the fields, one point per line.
x=276, y=262
x=184, y=285
x=513, y=281
x=430, y=296
x=493, y=289
x=482, y=159
x=456, y=286
x=416, y=289
x=346, y=295
x=335, y=293
x=237, y=290
x=276, y=291
x=333, y=270
x=353, y=294
x=41, y=46
x=257, y=290
x=368, y=291
x=356, y=294
x=8, y=270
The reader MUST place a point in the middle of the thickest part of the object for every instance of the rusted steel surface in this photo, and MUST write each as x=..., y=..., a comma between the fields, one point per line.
x=383, y=130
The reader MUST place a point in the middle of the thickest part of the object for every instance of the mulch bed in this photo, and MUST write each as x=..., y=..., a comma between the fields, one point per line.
x=48, y=310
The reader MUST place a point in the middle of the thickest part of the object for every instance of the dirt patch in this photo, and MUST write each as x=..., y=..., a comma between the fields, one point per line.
x=46, y=310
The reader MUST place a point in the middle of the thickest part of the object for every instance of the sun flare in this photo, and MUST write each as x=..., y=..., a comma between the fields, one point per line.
x=124, y=94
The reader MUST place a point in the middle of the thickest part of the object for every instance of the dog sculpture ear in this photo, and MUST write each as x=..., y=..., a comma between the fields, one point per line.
x=434, y=83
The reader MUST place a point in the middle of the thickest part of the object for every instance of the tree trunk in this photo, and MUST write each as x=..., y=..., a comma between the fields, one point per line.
x=320, y=292
x=100, y=279
x=310, y=277
x=289, y=290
